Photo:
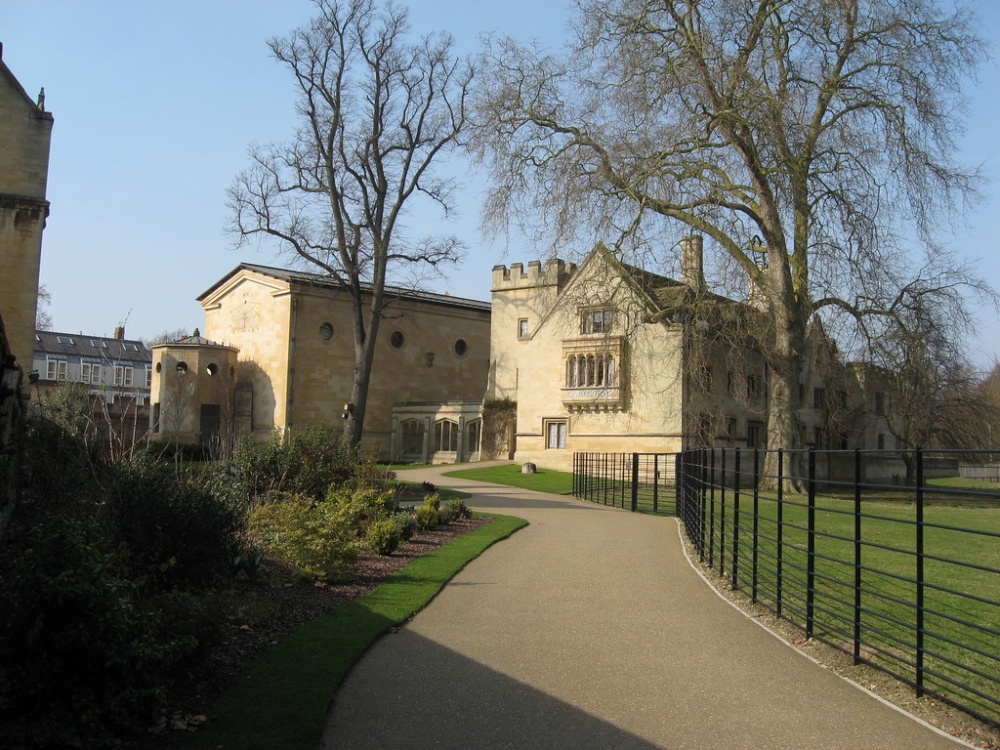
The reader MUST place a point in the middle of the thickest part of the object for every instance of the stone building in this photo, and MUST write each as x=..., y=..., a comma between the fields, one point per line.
x=606, y=357
x=25, y=136
x=282, y=342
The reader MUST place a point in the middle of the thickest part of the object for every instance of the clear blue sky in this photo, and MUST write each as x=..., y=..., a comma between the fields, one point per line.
x=155, y=104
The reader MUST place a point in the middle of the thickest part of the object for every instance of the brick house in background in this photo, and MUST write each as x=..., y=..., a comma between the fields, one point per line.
x=115, y=373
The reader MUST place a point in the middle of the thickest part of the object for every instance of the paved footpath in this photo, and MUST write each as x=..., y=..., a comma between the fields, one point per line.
x=589, y=629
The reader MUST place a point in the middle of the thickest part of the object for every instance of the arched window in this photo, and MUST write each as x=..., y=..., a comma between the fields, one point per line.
x=446, y=435
x=411, y=437
x=591, y=373
x=474, y=431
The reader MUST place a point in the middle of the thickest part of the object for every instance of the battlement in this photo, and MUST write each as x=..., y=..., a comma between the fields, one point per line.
x=555, y=273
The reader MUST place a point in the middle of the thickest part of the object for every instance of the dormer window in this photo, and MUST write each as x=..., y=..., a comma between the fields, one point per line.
x=595, y=321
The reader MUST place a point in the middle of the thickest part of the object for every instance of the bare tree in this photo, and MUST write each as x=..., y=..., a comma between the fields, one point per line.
x=376, y=112
x=933, y=394
x=812, y=142
x=43, y=318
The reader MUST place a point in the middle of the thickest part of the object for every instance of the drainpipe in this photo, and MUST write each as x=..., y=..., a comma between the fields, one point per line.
x=290, y=398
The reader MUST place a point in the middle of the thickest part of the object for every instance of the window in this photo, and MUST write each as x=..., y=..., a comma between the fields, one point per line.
x=149, y=376
x=880, y=403
x=156, y=417
x=755, y=435
x=411, y=437
x=819, y=437
x=705, y=378
x=754, y=386
x=446, y=435
x=819, y=397
x=212, y=369
x=56, y=369
x=730, y=428
x=595, y=321
x=842, y=399
x=85, y=372
x=461, y=347
x=123, y=375
x=881, y=441
x=730, y=383
x=326, y=331
x=396, y=339
x=64, y=340
x=522, y=328
x=96, y=374
x=555, y=434
x=475, y=432
x=583, y=370
x=182, y=368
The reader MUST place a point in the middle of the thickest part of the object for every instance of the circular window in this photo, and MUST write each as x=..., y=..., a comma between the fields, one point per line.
x=213, y=369
x=396, y=339
x=326, y=331
x=461, y=347
x=159, y=366
x=182, y=368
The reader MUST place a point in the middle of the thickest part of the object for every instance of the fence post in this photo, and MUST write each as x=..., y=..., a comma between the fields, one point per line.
x=779, y=563
x=920, y=573
x=811, y=546
x=635, y=482
x=736, y=521
x=756, y=522
x=857, y=555
x=656, y=482
x=722, y=517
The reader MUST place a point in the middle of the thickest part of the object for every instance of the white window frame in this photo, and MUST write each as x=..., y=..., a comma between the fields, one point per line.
x=56, y=369
x=556, y=434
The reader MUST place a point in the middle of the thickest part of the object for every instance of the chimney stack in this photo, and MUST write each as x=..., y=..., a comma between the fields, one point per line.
x=120, y=333
x=692, y=263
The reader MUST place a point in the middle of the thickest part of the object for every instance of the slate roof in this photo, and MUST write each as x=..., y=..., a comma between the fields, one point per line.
x=75, y=345
x=304, y=278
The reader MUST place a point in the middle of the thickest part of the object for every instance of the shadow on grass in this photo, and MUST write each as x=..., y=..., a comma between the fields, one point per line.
x=282, y=700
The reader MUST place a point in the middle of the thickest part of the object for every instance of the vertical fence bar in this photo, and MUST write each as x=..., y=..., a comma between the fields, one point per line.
x=635, y=482
x=656, y=482
x=920, y=574
x=857, y=556
x=736, y=520
x=722, y=517
x=811, y=547
x=780, y=533
x=756, y=523
x=703, y=468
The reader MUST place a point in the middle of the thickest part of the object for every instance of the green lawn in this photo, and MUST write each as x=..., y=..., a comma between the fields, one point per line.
x=544, y=480
x=960, y=558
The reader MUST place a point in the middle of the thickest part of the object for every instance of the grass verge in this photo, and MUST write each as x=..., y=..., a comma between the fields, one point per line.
x=283, y=698
x=544, y=480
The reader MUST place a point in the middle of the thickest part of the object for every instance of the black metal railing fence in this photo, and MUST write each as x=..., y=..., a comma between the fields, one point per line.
x=892, y=558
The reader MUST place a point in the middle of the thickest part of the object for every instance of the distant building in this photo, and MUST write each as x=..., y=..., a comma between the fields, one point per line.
x=25, y=135
x=116, y=374
x=278, y=354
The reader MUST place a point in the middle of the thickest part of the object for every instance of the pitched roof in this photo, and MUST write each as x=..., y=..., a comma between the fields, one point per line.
x=73, y=345
x=304, y=278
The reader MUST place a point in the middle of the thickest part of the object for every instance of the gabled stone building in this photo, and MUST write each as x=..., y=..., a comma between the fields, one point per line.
x=282, y=345
x=606, y=357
